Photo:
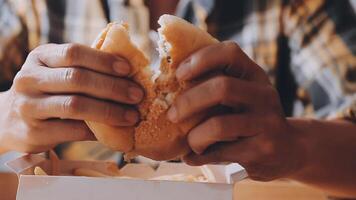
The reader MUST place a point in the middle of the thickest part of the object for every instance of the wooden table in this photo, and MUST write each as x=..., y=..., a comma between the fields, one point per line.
x=8, y=186
x=275, y=190
x=245, y=190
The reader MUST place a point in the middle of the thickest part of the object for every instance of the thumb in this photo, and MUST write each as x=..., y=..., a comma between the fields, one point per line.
x=237, y=151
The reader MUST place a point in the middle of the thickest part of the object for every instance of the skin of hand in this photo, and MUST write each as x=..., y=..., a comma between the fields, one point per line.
x=329, y=157
x=255, y=133
x=58, y=87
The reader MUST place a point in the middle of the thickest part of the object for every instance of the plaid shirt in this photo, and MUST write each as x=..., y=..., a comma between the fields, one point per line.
x=306, y=47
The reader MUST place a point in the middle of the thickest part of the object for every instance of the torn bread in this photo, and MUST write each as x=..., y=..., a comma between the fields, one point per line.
x=154, y=136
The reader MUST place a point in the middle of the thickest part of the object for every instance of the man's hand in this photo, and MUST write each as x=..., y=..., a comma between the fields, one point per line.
x=57, y=88
x=256, y=134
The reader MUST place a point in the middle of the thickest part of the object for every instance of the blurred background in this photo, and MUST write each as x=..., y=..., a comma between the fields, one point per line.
x=43, y=21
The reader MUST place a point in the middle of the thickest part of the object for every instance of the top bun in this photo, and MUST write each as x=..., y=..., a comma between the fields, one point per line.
x=154, y=136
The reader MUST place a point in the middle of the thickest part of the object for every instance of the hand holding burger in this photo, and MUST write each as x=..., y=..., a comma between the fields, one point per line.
x=253, y=130
x=254, y=133
x=58, y=87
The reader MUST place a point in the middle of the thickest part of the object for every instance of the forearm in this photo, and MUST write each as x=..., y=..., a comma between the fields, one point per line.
x=330, y=155
x=3, y=109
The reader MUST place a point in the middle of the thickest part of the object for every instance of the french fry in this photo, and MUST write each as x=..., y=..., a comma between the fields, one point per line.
x=181, y=177
x=39, y=171
x=114, y=172
x=113, y=169
x=208, y=174
x=54, y=163
x=88, y=172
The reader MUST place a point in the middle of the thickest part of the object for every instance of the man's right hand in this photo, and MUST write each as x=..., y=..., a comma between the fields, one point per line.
x=57, y=88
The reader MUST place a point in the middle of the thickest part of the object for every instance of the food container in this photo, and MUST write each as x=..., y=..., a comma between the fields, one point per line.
x=139, y=187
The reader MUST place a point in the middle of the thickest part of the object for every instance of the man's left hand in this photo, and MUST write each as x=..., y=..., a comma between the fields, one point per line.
x=256, y=135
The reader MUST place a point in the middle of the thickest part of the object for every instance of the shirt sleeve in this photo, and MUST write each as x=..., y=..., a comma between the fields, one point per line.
x=322, y=39
x=13, y=44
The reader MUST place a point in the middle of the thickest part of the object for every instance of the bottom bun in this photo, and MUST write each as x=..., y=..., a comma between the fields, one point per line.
x=117, y=139
x=163, y=140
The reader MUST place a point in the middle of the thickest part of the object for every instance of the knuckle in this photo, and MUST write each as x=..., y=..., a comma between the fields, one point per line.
x=233, y=51
x=70, y=52
x=72, y=105
x=108, y=113
x=222, y=86
x=270, y=97
x=117, y=87
x=38, y=54
x=216, y=126
x=75, y=76
x=114, y=86
x=184, y=101
x=24, y=107
x=232, y=46
x=35, y=53
x=21, y=80
x=216, y=84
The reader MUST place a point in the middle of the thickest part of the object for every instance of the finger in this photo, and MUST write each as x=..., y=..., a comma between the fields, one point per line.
x=238, y=152
x=58, y=131
x=221, y=129
x=222, y=90
x=226, y=56
x=71, y=55
x=32, y=149
x=49, y=133
x=83, y=108
x=82, y=81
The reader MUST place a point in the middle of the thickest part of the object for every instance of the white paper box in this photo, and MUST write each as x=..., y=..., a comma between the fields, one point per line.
x=32, y=187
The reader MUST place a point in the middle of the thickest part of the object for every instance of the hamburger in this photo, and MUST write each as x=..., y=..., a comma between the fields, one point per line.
x=154, y=136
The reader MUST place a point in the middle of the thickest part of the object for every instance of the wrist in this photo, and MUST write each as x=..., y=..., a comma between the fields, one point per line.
x=300, y=132
x=329, y=160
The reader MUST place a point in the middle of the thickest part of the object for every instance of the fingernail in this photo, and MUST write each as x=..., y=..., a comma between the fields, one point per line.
x=172, y=114
x=135, y=94
x=198, y=151
x=131, y=116
x=195, y=146
x=183, y=70
x=121, y=68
